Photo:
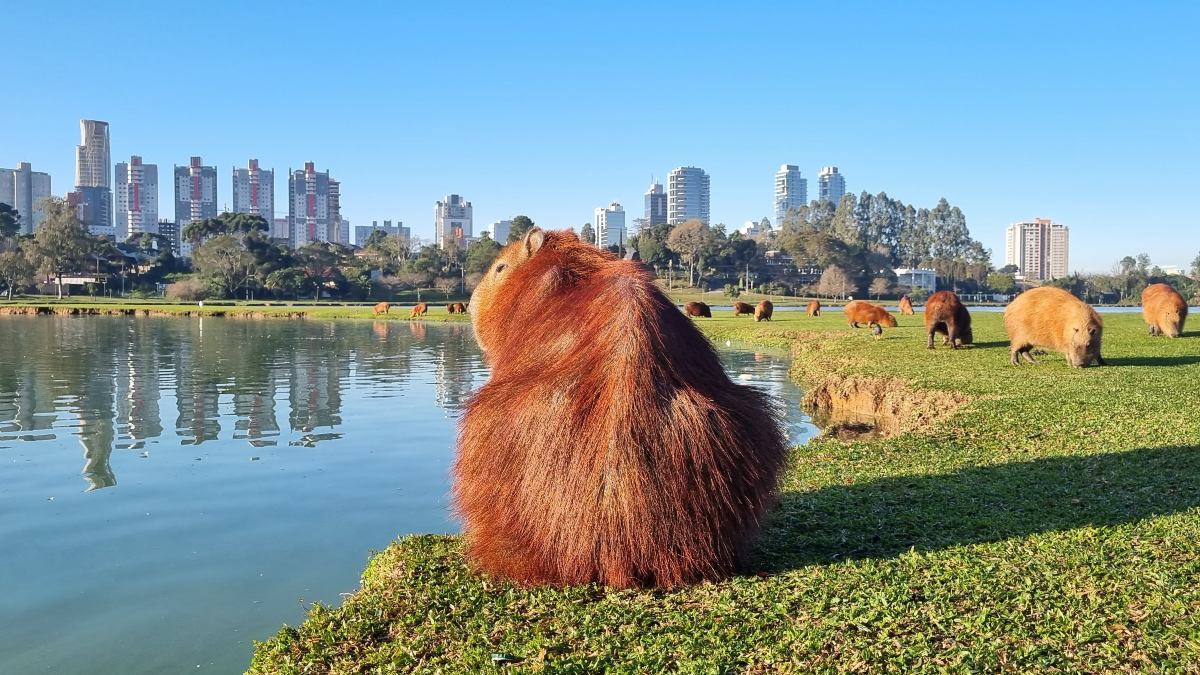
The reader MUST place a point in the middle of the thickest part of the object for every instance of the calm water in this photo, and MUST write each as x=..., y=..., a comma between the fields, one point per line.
x=171, y=489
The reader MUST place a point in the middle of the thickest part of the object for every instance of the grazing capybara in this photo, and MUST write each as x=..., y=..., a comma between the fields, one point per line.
x=381, y=308
x=608, y=444
x=906, y=307
x=1164, y=310
x=740, y=308
x=764, y=310
x=418, y=309
x=861, y=311
x=697, y=309
x=945, y=314
x=814, y=308
x=460, y=308
x=1053, y=318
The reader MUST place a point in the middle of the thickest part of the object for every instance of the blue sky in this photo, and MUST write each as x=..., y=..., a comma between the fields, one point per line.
x=1085, y=113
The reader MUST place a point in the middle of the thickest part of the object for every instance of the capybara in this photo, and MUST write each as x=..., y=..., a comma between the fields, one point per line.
x=740, y=308
x=1053, y=318
x=1164, y=310
x=608, y=444
x=764, y=310
x=906, y=307
x=697, y=309
x=418, y=309
x=381, y=308
x=460, y=308
x=861, y=311
x=945, y=314
x=814, y=308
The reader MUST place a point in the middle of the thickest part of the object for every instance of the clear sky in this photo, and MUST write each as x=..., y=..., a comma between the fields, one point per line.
x=1084, y=112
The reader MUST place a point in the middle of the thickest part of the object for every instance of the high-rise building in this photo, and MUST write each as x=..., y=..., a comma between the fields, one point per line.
x=1039, y=249
x=656, y=204
x=281, y=230
x=314, y=206
x=254, y=191
x=687, y=195
x=24, y=189
x=169, y=230
x=363, y=232
x=500, y=230
x=93, y=184
x=452, y=221
x=791, y=191
x=195, y=197
x=137, y=198
x=832, y=185
x=610, y=226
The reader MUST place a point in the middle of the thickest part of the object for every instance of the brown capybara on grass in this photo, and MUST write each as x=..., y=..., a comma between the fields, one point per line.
x=906, y=307
x=456, y=308
x=608, y=444
x=861, y=311
x=697, y=309
x=764, y=310
x=381, y=308
x=418, y=309
x=1164, y=310
x=814, y=308
x=740, y=308
x=1053, y=318
x=945, y=314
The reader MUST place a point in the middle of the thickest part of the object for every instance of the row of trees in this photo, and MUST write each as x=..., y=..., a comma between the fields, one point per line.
x=1128, y=278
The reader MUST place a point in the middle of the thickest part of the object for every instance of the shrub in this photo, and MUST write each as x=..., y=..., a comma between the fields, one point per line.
x=190, y=289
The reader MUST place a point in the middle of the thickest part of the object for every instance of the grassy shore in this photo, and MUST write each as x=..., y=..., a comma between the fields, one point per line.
x=1051, y=523
x=254, y=310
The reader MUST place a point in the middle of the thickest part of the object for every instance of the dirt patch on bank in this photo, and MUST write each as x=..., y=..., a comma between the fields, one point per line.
x=854, y=406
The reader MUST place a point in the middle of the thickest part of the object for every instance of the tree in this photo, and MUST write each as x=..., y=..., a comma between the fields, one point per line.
x=1196, y=268
x=689, y=240
x=1009, y=269
x=226, y=262
x=1143, y=264
x=1001, y=282
x=879, y=286
x=446, y=285
x=376, y=239
x=587, y=233
x=320, y=260
x=834, y=283
x=15, y=269
x=287, y=281
x=520, y=225
x=10, y=221
x=480, y=255
x=62, y=244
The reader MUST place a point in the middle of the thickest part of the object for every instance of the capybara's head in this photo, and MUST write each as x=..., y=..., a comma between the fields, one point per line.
x=1083, y=342
x=1172, y=320
x=888, y=320
x=494, y=282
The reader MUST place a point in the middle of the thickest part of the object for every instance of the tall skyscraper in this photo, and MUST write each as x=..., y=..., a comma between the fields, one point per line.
x=169, y=230
x=254, y=191
x=500, y=230
x=1039, y=249
x=791, y=191
x=656, y=204
x=687, y=195
x=832, y=183
x=24, y=189
x=93, y=184
x=314, y=206
x=195, y=197
x=452, y=221
x=610, y=226
x=137, y=198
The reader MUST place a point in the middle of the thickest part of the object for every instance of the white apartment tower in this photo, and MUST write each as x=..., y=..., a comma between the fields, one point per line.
x=137, y=198
x=791, y=191
x=500, y=230
x=452, y=221
x=610, y=226
x=314, y=207
x=254, y=191
x=195, y=197
x=24, y=189
x=92, y=197
x=1039, y=249
x=687, y=195
x=832, y=185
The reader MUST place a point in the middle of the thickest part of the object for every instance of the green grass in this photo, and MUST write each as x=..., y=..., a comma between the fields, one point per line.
x=437, y=310
x=1051, y=524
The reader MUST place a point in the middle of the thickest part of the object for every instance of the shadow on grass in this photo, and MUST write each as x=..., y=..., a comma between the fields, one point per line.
x=1153, y=361
x=990, y=345
x=886, y=517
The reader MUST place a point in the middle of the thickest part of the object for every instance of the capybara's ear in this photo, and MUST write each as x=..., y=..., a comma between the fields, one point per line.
x=534, y=239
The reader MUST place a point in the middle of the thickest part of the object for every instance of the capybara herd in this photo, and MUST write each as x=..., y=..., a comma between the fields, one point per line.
x=945, y=314
x=1164, y=310
x=381, y=308
x=456, y=308
x=608, y=444
x=1053, y=318
x=861, y=311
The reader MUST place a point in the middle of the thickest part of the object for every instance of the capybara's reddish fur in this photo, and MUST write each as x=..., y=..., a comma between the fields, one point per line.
x=740, y=308
x=460, y=308
x=814, y=308
x=1164, y=310
x=906, y=307
x=418, y=309
x=945, y=314
x=861, y=311
x=764, y=310
x=1053, y=318
x=608, y=444
x=381, y=308
x=697, y=309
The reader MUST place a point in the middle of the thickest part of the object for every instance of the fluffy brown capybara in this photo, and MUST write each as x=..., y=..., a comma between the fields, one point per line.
x=1053, y=318
x=381, y=308
x=460, y=308
x=945, y=314
x=1164, y=310
x=418, y=309
x=615, y=451
x=861, y=311
x=906, y=307
x=697, y=309
x=764, y=310
x=740, y=308
x=814, y=308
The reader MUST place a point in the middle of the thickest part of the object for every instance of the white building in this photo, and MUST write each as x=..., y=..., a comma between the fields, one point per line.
x=656, y=204
x=452, y=221
x=917, y=277
x=500, y=230
x=832, y=185
x=254, y=191
x=195, y=198
x=24, y=189
x=92, y=197
x=791, y=191
x=1039, y=249
x=363, y=232
x=314, y=207
x=610, y=226
x=753, y=229
x=137, y=198
x=687, y=195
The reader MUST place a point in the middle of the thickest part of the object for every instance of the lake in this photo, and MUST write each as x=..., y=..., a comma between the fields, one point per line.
x=172, y=489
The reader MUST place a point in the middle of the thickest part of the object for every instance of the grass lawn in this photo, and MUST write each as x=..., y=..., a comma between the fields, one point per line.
x=325, y=310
